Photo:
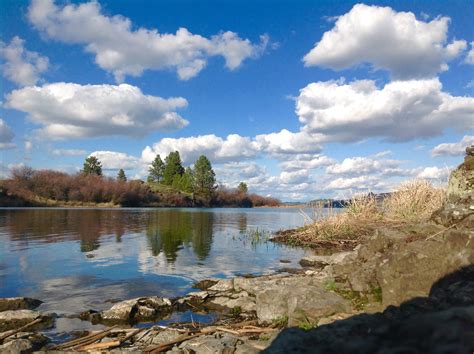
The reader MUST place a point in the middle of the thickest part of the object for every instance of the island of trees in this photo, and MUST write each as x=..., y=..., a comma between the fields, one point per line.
x=169, y=184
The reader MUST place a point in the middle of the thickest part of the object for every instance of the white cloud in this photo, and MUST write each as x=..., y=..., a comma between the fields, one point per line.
x=400, y=111
x=366, y=183
x=453, y=149
x=69, y=152
x=470, y=55
x=434, y=173
x=68, y=110
x=294, y=177
x=390, y=40
x=232, y=148
x=122, y=50
x=6, y=136
x=306, y=161
x=356, y=166
x=286, y=142
x=112, y=160
x=21, y=66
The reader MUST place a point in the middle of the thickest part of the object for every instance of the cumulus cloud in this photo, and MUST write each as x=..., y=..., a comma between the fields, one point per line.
x=294, y=177
x=286, y=142
x=306, y=161
x=356, y=166
x=217, y=149
x=122, y=50
x=470, y=55
x=112, y=160
x=400, y=111
x=366, y=183
x=21, y=66
x=68, y=110
x=434, y=173
x=234, y=147
x=390, y=40
x=453, y=149
x=6, y=136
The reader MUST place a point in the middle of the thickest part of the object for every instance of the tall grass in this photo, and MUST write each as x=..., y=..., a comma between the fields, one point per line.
x=413, y=201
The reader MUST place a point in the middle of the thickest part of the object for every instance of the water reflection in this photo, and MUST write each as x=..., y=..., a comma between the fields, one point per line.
x=75, y=259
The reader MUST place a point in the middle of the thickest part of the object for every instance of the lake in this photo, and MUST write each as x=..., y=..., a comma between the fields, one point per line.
x=78, y=259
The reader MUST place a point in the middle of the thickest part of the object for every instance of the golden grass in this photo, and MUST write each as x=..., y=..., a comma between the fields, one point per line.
x=413, y=201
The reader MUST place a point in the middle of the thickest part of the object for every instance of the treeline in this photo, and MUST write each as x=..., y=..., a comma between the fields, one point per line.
x=168, y=184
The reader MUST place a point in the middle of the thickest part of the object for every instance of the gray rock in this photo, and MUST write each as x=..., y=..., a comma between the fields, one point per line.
x=320, y=262
x=245, y=303
x=17, y=346
x=410, y=269
x=139, y=309
x=16, y=319
x=299, y=299
x=18, y=303
x=223, y=285
x=211, y=344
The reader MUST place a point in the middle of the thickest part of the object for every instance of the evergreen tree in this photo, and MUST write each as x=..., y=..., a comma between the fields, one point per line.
x=92, y=166
x=204, y=177
x=187, y=181
x=173, y=167
x=242, y=187
x=121, y=176
x=156, y=170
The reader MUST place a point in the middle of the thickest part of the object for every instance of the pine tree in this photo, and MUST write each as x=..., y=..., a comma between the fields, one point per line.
x=242, y=187
x=187, y=181
x=92, y=166
x=121, y=176
x=204, y=177
x=173, y=167
x=156, y=170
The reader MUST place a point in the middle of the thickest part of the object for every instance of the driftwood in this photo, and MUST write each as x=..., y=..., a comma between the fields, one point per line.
x=13, y=332
x=89, y=339
x=111, y=344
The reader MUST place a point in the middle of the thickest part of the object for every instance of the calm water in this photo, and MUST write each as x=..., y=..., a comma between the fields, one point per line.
x=77, y=259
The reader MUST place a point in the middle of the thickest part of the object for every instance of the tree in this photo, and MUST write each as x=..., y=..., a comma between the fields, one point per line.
x=242, y=187
x=173, y=167
x=156, y=170
x=121, y=176
x=92, y=166
x=204, y=177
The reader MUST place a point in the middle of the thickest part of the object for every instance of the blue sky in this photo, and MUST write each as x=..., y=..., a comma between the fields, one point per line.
x=301, y=101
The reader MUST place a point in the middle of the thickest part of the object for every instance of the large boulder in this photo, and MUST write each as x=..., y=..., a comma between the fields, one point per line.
x=410, y=269
x=16, y=319
x=300, y=300
x=18, y=303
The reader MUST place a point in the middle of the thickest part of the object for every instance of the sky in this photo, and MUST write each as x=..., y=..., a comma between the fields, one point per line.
x=300, y=100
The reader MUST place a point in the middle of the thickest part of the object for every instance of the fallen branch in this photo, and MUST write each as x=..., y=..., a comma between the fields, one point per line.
x=13, y=332
x=165, y=346
x=100, y=346
x=83, y=340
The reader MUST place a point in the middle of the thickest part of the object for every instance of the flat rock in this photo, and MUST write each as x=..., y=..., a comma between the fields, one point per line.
x=18, y=303
x=135, y=310
x=223, y=285
x=16, y=319
x=320, y=262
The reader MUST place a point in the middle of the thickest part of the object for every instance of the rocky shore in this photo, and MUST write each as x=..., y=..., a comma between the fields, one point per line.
x=403, y=289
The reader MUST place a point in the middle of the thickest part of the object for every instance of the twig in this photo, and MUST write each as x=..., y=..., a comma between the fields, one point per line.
x=440, y=232
x=83, y=340
x=100, y=346
x=32, y=323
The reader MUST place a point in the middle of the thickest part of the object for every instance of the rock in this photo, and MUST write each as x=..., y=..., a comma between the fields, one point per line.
x=205, y=284
x=18, y=303
x=410, y=269
x=136, y=310
x=210, y=344
x=245, y=303
x=17, y=346
x=298, y=299
x=165, y=336
x=16, y=319
x=223, y=285
x=320, y=262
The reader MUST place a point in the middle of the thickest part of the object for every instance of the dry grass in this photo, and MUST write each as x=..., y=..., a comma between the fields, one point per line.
x=414, y=201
